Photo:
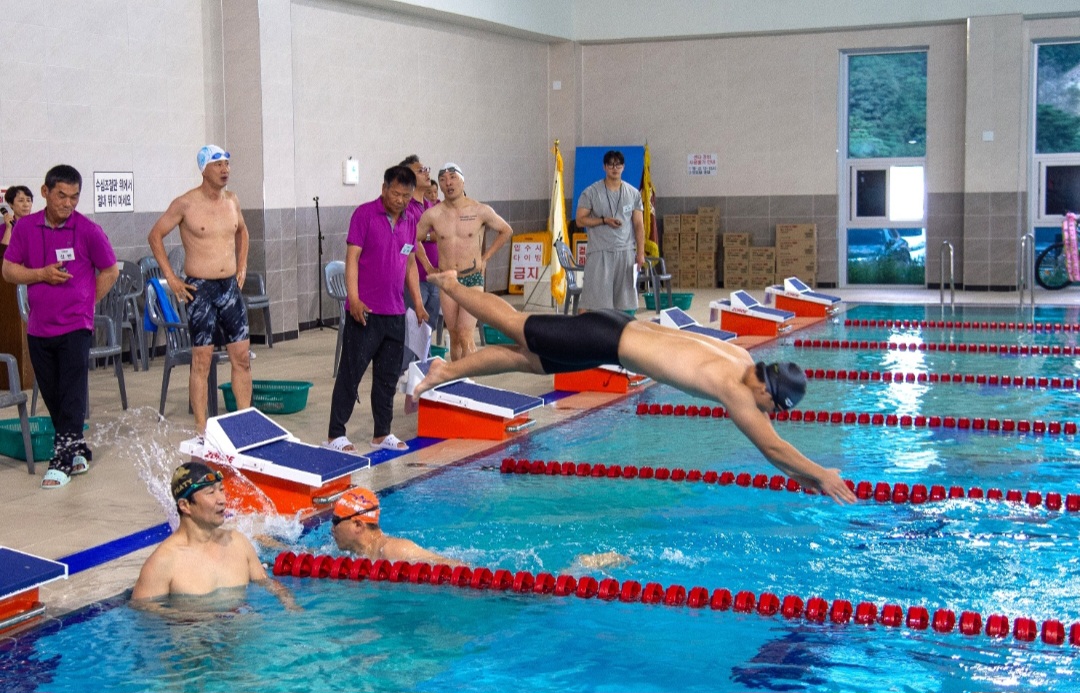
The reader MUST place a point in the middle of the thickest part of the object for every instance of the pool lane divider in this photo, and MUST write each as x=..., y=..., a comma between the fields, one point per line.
x=813, y=609
x=1007, y=349
x=898, y=493
x=977, y=423
x=967, y=325
x=1028, y=381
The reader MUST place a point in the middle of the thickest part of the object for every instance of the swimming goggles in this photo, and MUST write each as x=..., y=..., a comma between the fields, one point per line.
x=335, y=520
x=201, y=482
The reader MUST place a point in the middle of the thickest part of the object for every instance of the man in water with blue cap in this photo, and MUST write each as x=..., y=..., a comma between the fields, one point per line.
x=698, y=365
x=215, y=240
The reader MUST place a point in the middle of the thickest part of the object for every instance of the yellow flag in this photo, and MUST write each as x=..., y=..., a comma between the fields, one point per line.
x=647, y=197
x=557, y=226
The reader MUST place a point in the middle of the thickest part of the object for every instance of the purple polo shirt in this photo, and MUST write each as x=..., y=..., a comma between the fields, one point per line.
x=381, y=277
x=63, y=308
x=430, y=247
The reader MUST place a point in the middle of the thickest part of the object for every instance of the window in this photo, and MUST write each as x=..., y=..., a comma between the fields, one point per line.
x=1057, y=130
x=885, y=185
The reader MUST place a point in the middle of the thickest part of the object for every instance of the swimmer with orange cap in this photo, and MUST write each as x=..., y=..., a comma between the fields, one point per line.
x=356, y=529
x=697, y=365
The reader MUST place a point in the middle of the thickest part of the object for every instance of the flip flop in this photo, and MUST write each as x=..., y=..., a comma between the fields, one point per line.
x=342, y=444
x=79, y=465
x=390, y=442
x=54, y=478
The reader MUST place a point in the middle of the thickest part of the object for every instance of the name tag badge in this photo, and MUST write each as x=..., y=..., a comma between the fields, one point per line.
x=65, y=254
x=627, y=209
x=406, y=249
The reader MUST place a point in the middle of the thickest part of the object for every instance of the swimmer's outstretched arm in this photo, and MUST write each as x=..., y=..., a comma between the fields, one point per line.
x=257, y=574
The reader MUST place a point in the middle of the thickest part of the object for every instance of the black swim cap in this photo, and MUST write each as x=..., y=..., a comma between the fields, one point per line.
x=192, y=476
x=785, y=381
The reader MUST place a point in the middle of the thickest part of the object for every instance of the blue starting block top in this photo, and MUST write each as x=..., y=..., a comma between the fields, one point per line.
x=514, y=402
x=797, y=285
x=677, y=318
x=23, y=571
x=752, y=306
x=250, y=428
x=300, y=457
x=722, y=335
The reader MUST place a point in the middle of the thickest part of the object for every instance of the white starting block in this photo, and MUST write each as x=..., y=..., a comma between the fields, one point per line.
x=679, y=319
x=465, y=409
x=295, y=476
x=743, y=315
x=796, y=296
x=21, y=576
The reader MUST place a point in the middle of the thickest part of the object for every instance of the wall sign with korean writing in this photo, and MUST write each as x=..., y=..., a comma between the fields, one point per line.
x=114, y=191
x=529, y=253
x=701, y=164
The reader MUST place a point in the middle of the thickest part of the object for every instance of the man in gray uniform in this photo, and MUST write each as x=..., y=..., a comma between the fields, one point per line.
x=611, y=210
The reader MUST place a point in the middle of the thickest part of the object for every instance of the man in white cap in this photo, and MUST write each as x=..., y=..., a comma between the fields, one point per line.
x=458, y=225
x=215, y=240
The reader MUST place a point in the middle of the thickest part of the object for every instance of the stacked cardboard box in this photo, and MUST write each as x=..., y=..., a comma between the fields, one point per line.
x=796, y=252
x=736, y=250
x=762, y=267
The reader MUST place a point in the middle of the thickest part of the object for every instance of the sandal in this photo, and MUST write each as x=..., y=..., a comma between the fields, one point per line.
x=54, y=478
x=341, y=444
x=79, y=465
x=390, y=442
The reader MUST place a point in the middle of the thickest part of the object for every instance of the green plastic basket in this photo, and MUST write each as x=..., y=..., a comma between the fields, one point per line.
x=493, y=336
x=437, y=351
x=272, y=396
x=41, y=438
x=680, y=300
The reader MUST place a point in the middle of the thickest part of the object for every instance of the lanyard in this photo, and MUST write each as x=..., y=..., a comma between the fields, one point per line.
x=617, y=207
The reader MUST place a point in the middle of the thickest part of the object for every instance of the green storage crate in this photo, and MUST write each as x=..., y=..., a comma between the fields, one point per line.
x=272, y=396
x=41, y=438
x=437, y=351
x=493, y=336
x=680, y=300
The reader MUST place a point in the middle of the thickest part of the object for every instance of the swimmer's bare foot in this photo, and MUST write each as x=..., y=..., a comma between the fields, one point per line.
x=436, y=374
x=443, y=279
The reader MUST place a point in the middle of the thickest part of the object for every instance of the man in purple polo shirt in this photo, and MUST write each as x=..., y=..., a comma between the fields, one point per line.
x=68, y=265
x=379, y=266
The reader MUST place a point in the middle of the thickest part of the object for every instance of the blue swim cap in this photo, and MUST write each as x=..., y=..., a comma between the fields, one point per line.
x=210, y=152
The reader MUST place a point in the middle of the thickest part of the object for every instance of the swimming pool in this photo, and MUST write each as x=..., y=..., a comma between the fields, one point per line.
x=962, y=554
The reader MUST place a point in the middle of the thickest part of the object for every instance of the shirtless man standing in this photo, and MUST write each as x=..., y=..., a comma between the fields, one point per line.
x=458, y=224
x=699, y=366
x=201, y=557
x=215, y=240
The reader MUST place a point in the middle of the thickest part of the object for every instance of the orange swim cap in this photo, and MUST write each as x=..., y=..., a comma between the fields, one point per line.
x=357, y=502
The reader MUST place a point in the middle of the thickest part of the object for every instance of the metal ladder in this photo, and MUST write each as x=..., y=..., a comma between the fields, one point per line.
x=1025, y=268
x=947, y=246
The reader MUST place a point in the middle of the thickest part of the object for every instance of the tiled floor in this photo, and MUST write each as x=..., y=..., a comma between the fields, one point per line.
x=135, y=451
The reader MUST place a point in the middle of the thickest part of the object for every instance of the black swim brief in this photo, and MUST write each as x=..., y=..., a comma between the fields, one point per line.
x=567, y=343
x=217, y=303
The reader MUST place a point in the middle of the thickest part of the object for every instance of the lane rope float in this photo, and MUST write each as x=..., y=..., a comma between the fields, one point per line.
x=976, y=423
x=813, y=609
x=966, y=325
x=1008, y=349
x=897, y=493
x=1028, y=381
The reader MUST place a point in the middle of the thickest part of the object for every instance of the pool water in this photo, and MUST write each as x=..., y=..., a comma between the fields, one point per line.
x=984, y=556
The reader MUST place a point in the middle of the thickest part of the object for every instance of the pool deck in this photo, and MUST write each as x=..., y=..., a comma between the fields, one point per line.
x=113, y=501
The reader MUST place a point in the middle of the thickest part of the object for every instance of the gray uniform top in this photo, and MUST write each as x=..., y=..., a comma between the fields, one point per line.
x=617, y=204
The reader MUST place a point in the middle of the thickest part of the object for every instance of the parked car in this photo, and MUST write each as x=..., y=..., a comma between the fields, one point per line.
x=871, y=245
x=916, y=240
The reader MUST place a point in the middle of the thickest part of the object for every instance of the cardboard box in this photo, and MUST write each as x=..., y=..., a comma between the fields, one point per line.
x=737, y=240
x=736, y=280
x=734, y=252
x=689, y=223
x=670, y=242
x=688, y=241
x=688, y=259
x=672, y=223
x=796, y=232
x=708, y=211
x=708, y=223
x=787, y=267
x=672, y=265
x=763, y=254
x=706, y=278
x=706, y=261
x=706, y=243
x=796, y=249
x=737, y=266
x=687, y=278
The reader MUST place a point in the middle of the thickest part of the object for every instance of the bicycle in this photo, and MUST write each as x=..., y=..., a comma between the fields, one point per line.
x=1051, y=271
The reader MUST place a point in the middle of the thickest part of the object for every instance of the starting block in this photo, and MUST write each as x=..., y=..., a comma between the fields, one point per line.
x=614, y=379
x=465, y=409
x=743, y=315
x=679, y=319
x=796, y=296
x=21, y=576
x=256, y=454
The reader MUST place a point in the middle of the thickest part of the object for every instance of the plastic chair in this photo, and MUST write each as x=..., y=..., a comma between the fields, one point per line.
x=14, y=397
x=24, y=312
x=659, y=277
x=176, y=260
x=255, y=298
x=109, y=315
x=178, y=345
x=130, y=285
x=149, y=269
x=334, y=274
x=571, y=268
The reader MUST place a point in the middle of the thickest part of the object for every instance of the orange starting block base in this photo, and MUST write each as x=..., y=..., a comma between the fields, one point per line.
x=446, y=421
x=287, y=497
x=598, y=380
x=749, y=325
x=19, y=605
x=800, y=307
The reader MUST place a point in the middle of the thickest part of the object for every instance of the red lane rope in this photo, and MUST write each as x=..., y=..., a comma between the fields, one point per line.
x=1011, y=349
x=977, y=423
x=965, y=325
x=881, y=491
x=813, y=609
x=979, y=379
